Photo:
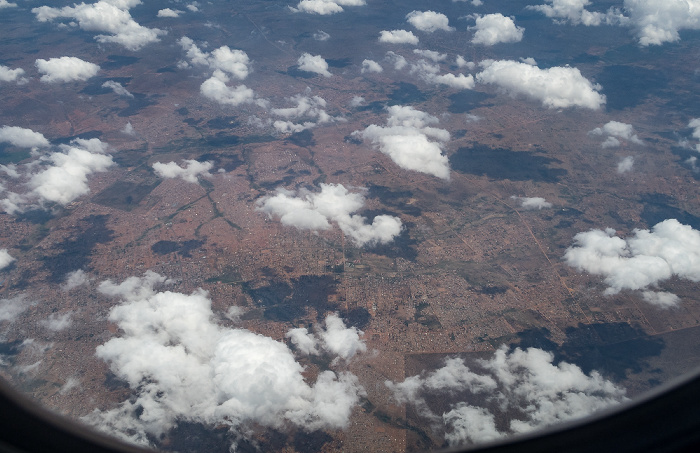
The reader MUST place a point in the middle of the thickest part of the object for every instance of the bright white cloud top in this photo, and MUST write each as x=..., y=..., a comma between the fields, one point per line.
x=111, y=17
x=325, y=7
x=430, y=73
x=307, y=210
x=5, y=258
x=640, y=261
x=313, y=63
x=532, y=203
x=309, y=109
x=234, y=63
x=625, y=165
x=410, y=141
x=370, y=66
x=575, y=13
x=555, y=87
x=614, y=132
x=656, y=22
x=429, y=21
x=65, y=69
x=22, y=137
x=493, y=29
x=525, y=384
x=11, y=75
x=337, y=339
x=167, y=12
x=398, y=37
x=190, y=172
x=171, y=344
x=62, y=176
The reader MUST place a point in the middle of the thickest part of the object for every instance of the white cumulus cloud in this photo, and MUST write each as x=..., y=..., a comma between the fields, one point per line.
x=167, y=12
x=65, y=69
x=310, y=109
x=307, y=210
x=523, y=386
x=640, y=261
x=215, y=89
x=532, y=203
x=555, y=87
x=108, y=16
x=75, y=279
x=5, y=258
x=429, y=21
x=614, y=131
x=410, y=141
x=336, y=338
x=325, y=7
x=575, y=12
x=430, y=73
x=118, y=88
x=398, y=37
x=171, y=344
x=313, y=63
x=625, y=165
x=190, y=172
x=492, y=29
x=233, y=62
x=370, y=66
x=11, y=75
x=22, y=137
x=655, y=22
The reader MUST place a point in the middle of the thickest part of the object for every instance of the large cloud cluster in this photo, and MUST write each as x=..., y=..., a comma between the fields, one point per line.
x=429, y=21
x=314, y=211
x=65, y=69
x=325, y=7
x=406, y=139
x=658, y=21
x=62, y=175
x=555, y=87
x=640, y=261
x=492, y=29
x=308, y=108
x=183, y=366
x=614, y=131
x=225, y=64
x=525, y=386
x=109, y=16
x=190, y=172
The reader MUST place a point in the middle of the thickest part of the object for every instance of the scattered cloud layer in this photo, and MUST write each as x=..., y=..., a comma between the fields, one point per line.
x=524, y=387
x=398, y=37
x=313, y=63
x=111, y=17
x=65, y=69
x=429, y=21
x=307, y=210
x=325, y=7
x=614, y=131
x=234, y=62
x=61, y=176
x=492, y=29
x=172, y=344
x=575, y=13
x=555, y=87
x=190, y=172
x=640, y=261
x=410, y=141
x=309, y=109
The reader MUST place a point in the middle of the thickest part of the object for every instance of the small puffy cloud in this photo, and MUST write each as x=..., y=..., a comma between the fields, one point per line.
x=75, y=279
x=644, y=259
x=430, y=73
x=325, y=7
x=321, y=36
x=11, y=75
x=313, y=63
x=336, y=338
x=614, y=130
x=625, y=165
x=6, y=4
x=108, y=16
x=167, y=12
x=118, y=89
x=65, y=69
x=234, y=63
x=406, y=139
x=524, y=388
x=398, y=61
x=370, y=66
x=129, y=129
x=398, y=37
x=306, y=210
x=311, y=109
x=428, y=21
x=357, y=101
x=194, y=7
x=192, y=170
x=532, y=203
x=430, y=55
x=462, y=63
x=575, y=13
x=492, y=29
x=5, y=258
x=555, y=87
x=695, y=125
x=21, y=137
x=172, y=344
x=57, y=322
x=661, y=299
x=63, y=175
x=215, y=89
x=655, y=22
x=10, y=309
